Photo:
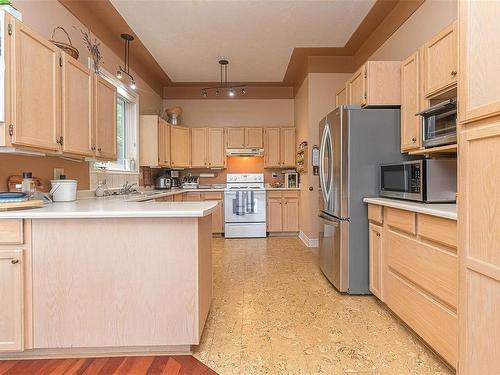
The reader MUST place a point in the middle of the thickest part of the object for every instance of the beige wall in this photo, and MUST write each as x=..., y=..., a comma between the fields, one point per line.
x=426, y=22
x=234, y=112
x=42, y=17
x=315, y=98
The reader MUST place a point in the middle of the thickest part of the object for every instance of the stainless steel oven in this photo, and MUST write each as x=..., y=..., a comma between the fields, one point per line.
x=427, y=180
x=439, y=124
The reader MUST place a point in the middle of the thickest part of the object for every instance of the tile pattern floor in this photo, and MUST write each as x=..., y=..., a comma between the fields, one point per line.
x=273, y=312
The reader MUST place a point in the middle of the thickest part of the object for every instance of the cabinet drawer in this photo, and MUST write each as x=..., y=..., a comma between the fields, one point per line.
x=212, y=195
x=11, y=231
x=401, y=219
x=291, y=194
x=178, y=197
x=431, y=268
x=192, y=196
x=438, y=229
x=375, y=213
x=274, y=194
x=437, y=325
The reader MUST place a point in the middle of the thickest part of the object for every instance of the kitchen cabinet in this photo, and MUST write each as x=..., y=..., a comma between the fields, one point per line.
x=375, y=256
x=218, y=214
x=282, y=211
x=199, y=148
x=375, y=83
x=253, y=138
x=410, y=103
x=35, y=92
x=235, y=137
x=341, y=97
x=216, y=153
x=180, y=149
x=105, y=95
x=479, y=85
x=154, y=140
x=279, y=148
x=77, y=108
x=11, y=286
x=440, y=61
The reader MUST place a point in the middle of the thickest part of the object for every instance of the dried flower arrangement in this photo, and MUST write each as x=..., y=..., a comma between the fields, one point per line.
x=93, y=48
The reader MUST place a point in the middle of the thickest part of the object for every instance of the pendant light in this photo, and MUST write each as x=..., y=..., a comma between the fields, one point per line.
x=229, y=90
x=126, y=69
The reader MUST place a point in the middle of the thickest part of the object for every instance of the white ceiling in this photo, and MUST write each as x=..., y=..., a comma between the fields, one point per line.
x=187, y=37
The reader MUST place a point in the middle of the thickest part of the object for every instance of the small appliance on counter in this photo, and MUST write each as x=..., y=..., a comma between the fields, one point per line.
x=291, y=180
x=439, y=124
x=175, y=181
x=427, y=180
x=63, y=190
x=163, y=182
x=190, y=182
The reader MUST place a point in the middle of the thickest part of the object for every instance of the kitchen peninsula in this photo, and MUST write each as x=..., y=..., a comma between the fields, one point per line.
x=103, y=276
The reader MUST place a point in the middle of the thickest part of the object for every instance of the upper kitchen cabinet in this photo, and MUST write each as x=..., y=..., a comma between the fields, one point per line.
x=216, y=156
x=35, y=90
x=253, y=138
x=341, y=97
x=180, y=147
x=479, y=85
x=279, y=148
x=77, y=108
x=199, y=148
x=410, y=103
x=235, y=137
x=105, y=119
x=440, y=61
x=375, y=83
x=154, y=138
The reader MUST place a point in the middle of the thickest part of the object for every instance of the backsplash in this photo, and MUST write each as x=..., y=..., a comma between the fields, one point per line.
x=114, y=180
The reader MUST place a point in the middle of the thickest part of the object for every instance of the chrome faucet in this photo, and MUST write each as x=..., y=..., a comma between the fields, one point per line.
x=128, y=188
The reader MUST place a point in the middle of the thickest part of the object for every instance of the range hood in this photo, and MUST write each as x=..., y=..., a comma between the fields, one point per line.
x=245, y=152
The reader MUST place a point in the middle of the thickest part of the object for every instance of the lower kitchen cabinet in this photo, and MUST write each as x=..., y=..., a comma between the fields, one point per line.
x=414, y=271
x=218, y=215
x=282, y=211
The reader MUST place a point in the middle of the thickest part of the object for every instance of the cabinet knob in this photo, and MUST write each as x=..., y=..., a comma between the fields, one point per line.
x=99, y=149
x=93, y=148
x=414, y=140
x=453, y=73
x=14, y=261
x=378, y=234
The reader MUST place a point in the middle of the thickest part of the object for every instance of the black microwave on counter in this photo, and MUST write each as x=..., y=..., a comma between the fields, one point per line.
x=426, y=180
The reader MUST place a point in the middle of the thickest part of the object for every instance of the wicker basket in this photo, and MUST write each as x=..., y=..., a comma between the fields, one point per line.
x=68, y=48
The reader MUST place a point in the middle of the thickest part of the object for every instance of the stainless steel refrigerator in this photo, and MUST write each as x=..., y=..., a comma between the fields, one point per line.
x=354, y=142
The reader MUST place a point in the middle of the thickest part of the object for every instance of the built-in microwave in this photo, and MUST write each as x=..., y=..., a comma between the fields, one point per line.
x=426, y=180
x=439, y=124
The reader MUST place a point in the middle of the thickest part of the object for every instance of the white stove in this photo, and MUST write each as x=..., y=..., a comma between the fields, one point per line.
x=245, y=205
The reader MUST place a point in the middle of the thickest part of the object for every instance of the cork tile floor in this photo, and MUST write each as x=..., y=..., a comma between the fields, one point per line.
x=273, y=312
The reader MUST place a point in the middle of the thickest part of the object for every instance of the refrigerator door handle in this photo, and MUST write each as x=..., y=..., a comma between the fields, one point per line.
x=321, y=165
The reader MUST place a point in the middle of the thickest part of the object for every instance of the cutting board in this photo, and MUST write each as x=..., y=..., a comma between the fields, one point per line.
x=36, y=203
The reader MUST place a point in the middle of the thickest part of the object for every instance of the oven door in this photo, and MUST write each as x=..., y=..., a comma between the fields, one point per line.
x=245, y=206
x=402, y=180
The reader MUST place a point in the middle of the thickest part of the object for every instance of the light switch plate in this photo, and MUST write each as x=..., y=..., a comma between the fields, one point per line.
x=58, y=172
x=275, y=175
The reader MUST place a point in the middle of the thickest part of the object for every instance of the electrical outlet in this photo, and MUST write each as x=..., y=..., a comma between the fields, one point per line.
x=58, y=172
x=275, y=175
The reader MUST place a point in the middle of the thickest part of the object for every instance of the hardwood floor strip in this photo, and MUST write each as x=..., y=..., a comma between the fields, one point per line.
x=135, y=365
x=112, y=364
x=172, y=368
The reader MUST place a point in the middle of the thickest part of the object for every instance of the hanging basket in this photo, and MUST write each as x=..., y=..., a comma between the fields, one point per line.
x=68, y=48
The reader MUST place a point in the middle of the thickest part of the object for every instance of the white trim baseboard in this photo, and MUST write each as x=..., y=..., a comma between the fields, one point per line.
x=309, y=242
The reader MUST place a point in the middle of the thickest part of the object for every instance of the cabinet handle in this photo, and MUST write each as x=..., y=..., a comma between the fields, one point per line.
x=378, y=234
x=99, y=149
x=93, y=148
x=14, y=261
x=414, y=140
x=453, y=73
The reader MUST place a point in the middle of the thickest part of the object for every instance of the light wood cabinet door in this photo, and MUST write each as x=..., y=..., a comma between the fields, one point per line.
x=290, y=215
x=356, y=87
x=440, y=61
x=199, y=148
x=105, y=119
x=272, y=154
x=218, y=218
x=11, y=295
x=274, y=215
x=288, y=151
x=382, y=83
x=479, y=84
x=410, y=103
x=77, y=107
x=479, y=255
x=253, y=138
x=163, y=143
x=375, y=259
x=341, y=97
x=180, y=147
x=36, y=90
x=235, y=137
x=216, y=152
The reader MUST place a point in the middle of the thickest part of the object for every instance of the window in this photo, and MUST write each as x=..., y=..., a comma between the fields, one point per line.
x=127, y=126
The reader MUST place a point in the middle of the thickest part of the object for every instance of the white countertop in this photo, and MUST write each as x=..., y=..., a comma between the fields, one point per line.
x=113, y=207
x=446, y=210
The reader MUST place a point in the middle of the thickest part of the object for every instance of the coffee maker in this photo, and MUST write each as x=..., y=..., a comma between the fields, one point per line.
x=175, y=180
